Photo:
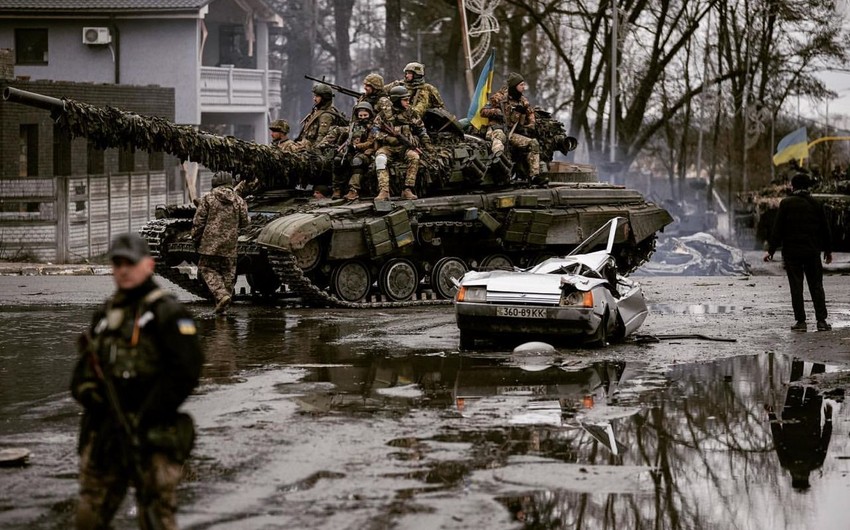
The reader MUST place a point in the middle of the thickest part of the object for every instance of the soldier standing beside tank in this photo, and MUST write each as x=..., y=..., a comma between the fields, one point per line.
x=215, y=230
x=423, y=96
x=316, y=125
x=509, y=110
x=361, y=142
x=140, y=359
x=397, y=137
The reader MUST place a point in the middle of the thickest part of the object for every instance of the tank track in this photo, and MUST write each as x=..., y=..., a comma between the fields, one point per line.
x=155, y=232
x=291, y=275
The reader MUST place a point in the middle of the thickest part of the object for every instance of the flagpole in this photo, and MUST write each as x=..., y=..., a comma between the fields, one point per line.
x=467, y=53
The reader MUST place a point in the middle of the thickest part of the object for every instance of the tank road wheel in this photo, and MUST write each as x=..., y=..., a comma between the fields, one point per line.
x=309, y=255
x=398, y=279
x=497, y=262
x=350, y=281
x=442, y=274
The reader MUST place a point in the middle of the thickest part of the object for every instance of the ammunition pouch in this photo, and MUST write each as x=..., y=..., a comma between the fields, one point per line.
x=176, y=439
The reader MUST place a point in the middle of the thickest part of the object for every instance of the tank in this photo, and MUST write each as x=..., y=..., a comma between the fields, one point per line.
x=759, y=209
x=474, y=212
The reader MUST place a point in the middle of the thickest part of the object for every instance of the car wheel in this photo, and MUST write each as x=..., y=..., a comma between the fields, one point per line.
x=601, y=338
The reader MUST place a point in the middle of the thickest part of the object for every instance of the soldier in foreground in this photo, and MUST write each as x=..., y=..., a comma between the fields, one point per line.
x=423, y=96
x=140, y=359
x=215, y=229
x=397, y=137
x=512, y=123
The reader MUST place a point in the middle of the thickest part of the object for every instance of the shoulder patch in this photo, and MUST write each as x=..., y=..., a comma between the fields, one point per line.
x=186, y=326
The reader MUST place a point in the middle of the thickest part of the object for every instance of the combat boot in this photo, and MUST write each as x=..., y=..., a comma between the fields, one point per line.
x=352, y=195
x=222, y=304
x=384, y=195
x=337, y=194
x=407, y=194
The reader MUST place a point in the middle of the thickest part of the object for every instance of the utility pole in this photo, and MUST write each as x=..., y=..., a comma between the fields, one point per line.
x=467, y=53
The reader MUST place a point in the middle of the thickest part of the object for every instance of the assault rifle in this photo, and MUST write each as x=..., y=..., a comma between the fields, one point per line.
x=339, y=88
x=132, y=445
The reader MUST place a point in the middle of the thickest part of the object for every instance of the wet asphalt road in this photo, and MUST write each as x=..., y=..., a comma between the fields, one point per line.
x=372, y=419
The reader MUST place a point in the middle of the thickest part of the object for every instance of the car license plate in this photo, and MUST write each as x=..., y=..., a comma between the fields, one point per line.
x=521, y=312
x=521, y=390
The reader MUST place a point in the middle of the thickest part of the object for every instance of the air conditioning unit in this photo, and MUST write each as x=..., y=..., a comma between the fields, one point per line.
x=96, y=36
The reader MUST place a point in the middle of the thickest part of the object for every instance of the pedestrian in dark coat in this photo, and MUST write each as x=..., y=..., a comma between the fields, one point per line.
x=140, y=359
x=802, y=231
x=220, y=215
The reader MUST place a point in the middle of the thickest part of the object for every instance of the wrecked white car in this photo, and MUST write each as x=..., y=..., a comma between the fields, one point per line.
x=580, y=296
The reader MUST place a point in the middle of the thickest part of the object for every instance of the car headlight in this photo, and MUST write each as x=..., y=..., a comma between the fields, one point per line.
x=472, y=294
x=577, y=298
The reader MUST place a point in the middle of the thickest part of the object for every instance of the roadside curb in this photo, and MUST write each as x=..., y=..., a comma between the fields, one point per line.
x=49, y=269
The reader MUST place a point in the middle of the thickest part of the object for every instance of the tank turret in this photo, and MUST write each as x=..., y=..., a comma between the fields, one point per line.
x=474, y=211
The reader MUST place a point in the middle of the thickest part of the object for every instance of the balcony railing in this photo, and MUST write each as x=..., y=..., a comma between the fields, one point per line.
x=239, y=87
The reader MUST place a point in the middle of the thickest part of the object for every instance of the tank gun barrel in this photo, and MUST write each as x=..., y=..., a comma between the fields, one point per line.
x=32, y=99
x=110, y=127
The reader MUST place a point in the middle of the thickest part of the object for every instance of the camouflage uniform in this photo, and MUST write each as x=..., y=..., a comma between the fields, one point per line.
x=406, y=124
x=508, y=108
x=362, y=142
x=145, y=344
x=316, y=125
x=215, y=230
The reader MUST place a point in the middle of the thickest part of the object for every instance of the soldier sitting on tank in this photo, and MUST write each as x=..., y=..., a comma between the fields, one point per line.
x=375, y=95
x=423, y=96
x=280, y=136
x=316, y=125
x=512, y=122
x=401, y=136
x=360, y=146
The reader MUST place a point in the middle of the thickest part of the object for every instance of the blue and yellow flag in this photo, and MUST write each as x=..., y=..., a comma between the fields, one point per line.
x=795, y=146
x=482, y=93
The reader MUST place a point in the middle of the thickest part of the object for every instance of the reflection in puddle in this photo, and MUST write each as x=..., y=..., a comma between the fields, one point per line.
x=746, y=436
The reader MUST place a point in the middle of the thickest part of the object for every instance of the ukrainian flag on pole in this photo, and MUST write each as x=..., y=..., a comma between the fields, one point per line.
x=795, y=146
x=482, y=93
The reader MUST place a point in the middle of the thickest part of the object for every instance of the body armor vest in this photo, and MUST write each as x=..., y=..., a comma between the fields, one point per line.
x=121, y=346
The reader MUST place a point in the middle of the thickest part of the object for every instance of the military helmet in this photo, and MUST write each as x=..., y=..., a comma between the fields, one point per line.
x=418, y=69
x=222, y=178
x=323, y=90
x=398, y=92
x=375, y=80
x=364, y=105
x=280, y=126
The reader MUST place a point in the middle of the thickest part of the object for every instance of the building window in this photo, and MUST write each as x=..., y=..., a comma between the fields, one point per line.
x=233, y=47
x=94, y=159
x=28, y=161
x=31, y=46
x=61, y=152
x=126, y=158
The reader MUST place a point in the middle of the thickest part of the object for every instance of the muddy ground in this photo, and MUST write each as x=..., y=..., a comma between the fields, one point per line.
x=372, y=419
